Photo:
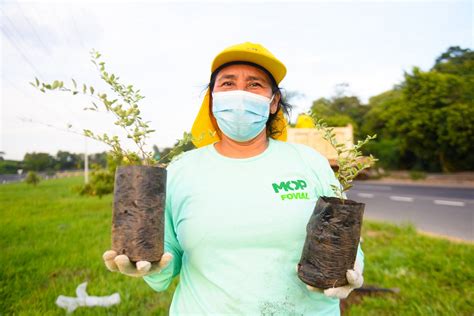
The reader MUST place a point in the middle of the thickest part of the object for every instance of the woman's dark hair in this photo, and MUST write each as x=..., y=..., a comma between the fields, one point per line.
x=285, y=106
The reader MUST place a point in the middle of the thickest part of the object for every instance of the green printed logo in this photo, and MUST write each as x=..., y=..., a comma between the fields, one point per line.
x=289, y=186
x=296, y=196
x=292, y=185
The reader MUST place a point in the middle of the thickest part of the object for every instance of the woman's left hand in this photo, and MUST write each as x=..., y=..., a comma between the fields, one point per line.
x=355, y=279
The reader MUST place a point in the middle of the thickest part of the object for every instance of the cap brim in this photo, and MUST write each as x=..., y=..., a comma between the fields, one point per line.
x=274, y=66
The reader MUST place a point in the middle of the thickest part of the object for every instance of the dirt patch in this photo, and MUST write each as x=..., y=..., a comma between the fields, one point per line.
x=357, y=296
x=439, y=236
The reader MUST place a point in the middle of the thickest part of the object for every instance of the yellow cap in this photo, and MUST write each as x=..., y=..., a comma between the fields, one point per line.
x=205, y=127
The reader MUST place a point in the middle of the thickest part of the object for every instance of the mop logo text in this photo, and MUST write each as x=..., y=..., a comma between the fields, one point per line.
x=292, y=185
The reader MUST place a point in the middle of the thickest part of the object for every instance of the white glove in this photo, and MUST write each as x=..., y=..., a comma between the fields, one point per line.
x=122, y=263
x=354, y=278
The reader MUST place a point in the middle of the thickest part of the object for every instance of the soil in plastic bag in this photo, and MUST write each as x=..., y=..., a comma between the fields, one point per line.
x=138, y=212
x=332, y=238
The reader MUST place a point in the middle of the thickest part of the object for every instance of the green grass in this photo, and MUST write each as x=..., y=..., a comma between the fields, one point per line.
x=435, y=276
x=52, y=240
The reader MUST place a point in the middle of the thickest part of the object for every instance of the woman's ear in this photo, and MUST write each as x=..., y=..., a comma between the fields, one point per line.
x=274, y=104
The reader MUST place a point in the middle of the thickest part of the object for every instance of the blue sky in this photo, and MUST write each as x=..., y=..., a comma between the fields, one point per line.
x=166, y=48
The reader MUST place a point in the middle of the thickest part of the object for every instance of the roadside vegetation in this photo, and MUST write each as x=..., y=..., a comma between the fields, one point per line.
x=52, y=239
x=424, y=123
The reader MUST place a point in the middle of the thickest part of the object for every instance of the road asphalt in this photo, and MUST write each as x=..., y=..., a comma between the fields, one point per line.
x=445, y=211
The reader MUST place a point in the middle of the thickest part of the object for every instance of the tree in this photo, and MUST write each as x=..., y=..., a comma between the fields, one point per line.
x=289, y=95
x=456, y=61
x=38, y=161
x=99, y=159
x=427, y=97
x=10, y=166
x=425, y=122
x=341, y=109
x=386, y=147
x=460, y=62
x=66, y=160
x=380, y=110
x=455, y=132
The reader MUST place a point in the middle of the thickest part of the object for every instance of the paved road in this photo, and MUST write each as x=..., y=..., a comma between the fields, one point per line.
x=439, y=210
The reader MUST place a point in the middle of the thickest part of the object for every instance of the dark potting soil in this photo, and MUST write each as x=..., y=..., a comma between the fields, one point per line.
x=138, y=212
x=332, y=238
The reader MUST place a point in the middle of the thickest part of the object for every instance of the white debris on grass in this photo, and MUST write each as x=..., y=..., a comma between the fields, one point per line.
x=83, y=299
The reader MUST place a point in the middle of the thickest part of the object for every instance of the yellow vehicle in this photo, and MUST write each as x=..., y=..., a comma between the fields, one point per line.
x=305, y=132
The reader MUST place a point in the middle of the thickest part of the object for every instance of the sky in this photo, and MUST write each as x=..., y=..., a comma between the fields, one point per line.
x=165, y=49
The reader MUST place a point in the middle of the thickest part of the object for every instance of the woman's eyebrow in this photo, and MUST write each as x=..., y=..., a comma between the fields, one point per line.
x=229, y=76
x=255, y=78
x=248, y=78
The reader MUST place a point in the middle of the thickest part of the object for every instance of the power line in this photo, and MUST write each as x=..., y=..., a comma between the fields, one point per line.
x=10, y=36
x=65, y=37
x=5, y=15
x=77, y=31
x=26, y=60
x=32, y=27
x=17, y=88
x=68, y=130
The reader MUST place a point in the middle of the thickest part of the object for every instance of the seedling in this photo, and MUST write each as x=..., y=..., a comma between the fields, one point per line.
x=124, y=107
x=333, y=230
x=350, y=161
x=140, y=183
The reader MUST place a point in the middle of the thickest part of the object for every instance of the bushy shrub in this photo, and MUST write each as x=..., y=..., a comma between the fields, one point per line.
x=417, y=175
x=101, y=179
x=387, y=151
x=101, y=183
x=32, y=178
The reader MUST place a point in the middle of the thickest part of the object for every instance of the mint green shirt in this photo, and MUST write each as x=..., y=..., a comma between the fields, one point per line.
x=236, y=229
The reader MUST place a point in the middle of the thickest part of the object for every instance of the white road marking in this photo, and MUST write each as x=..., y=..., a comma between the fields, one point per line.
x=373, y=187
x=401, y=198
x=450, y=203
x=365, y=195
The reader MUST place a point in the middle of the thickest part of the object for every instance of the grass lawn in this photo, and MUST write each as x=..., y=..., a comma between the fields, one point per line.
x=52, y=240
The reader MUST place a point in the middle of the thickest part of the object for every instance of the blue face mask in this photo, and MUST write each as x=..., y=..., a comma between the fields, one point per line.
x=241, y=115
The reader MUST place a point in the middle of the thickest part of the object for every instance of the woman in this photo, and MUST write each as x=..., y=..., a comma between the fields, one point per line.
x=237, y=207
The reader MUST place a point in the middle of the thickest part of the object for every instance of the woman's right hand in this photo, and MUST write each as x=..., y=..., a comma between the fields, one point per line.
x=121, y=263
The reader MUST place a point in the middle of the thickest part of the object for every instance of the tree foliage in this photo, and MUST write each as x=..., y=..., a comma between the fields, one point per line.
x=428, y=120
x=38, y=161
x=340, y=110
x=456, y=61
x=63, y=160
x=10, y=166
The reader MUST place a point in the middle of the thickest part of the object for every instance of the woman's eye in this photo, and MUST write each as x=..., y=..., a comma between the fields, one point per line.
x=255, y=84
x=227, y=83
